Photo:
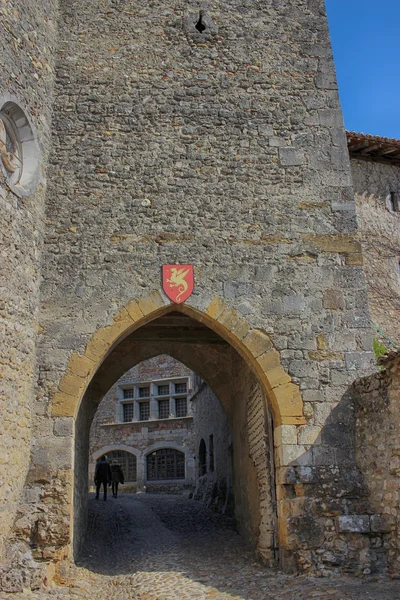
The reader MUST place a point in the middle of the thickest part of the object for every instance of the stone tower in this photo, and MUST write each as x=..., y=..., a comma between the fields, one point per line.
x=197, y=134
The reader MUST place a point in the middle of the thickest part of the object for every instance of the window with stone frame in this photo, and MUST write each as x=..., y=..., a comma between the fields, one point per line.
x=181, y=407
x=163, y=390
x=144, y=411
x=129, y=393
x=128, y=412
x=127, y=462
x=166, y=463
x=181, y=388
x=163, y=409
x=144, y=392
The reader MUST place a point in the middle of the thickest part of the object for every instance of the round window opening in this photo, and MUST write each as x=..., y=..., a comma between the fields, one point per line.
x=19, y=154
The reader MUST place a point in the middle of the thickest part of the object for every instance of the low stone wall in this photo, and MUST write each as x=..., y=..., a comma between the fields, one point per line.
x=377, y=410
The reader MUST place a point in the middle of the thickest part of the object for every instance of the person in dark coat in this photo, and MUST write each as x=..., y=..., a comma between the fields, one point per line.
x=102, y=475
x=117, y=476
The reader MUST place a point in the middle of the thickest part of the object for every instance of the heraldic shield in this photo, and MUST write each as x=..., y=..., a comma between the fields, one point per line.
x=178, y=282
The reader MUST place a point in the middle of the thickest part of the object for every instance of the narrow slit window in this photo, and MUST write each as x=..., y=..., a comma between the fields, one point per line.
x=200, y=25
x=394, y=201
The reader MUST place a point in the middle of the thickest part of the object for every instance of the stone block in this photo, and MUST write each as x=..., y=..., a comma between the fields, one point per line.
x=72, y=384
x=330, y=118
x=335, y=243
x=295, y=455
x=269, y=360
x=320, y=355
x=293, y=304
x=313, y=396
x=306, y=474
x=333, y=299
x=355, y=259
x=379, y=524
x=228, y=318
x=289, y=399
x=63, y=426
x=291, y=157
x=134, y=311
x=264, y=273
x=323, y=456
x=257, y=342
x=216, y=307
x=353, y=524
x=147, y=305
x=96, y=348
x=277, y=376
x=64, y=405
x=81, y=365
x=310, y=434
x=158, y=300
x=285, y=434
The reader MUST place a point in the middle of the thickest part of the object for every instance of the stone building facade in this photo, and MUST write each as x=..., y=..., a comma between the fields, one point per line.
x=223, y=148
x=169, y=431
x=376, y=181
x=139, y=416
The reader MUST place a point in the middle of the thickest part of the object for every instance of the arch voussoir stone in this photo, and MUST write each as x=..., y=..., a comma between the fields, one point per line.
x=253, y=344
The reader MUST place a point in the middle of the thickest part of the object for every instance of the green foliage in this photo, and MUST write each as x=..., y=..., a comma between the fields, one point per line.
x=379, y=348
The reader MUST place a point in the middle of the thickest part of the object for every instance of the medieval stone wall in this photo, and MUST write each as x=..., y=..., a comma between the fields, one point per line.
x=378, y=455
x=215, y=486
x=174, y=146
x=27, y=49
x=379, y=223
x=225, y=149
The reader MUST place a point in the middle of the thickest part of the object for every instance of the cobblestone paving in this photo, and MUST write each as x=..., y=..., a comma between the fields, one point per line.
x=144, y=547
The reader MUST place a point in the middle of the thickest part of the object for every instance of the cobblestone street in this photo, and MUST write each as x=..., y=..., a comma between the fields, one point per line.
x=148, y=547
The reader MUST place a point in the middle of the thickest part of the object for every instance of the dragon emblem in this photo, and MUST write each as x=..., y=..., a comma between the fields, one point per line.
x=178, y=282
x=177, y=279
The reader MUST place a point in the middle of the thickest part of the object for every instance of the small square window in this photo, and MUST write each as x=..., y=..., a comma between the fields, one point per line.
x=181, y=407
x=163, y=409
x=129, y=393
x=181, y=388
x=163, y=390
x=144, y=411
x=128, y=412
x=144, y=392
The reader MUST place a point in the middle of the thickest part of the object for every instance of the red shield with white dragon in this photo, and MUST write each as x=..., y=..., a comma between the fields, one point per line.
x=178, y=282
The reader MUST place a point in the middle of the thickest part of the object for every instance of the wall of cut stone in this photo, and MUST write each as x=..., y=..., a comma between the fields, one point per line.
x=378, y=454
x=224, y=149
x=215, y=487
x=380, y=238
x=27, y=49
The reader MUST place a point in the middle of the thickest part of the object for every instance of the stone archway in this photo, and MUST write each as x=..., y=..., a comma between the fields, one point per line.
x=248, y=351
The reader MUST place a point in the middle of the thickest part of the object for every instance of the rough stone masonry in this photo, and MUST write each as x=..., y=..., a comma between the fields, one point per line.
x=223, y=148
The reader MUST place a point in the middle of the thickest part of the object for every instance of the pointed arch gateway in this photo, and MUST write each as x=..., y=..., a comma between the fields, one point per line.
x=240, y=365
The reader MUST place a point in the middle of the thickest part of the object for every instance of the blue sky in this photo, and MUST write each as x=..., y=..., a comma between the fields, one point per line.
x=365, y=39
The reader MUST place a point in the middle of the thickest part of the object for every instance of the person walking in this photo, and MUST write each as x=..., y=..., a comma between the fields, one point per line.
x=102, y=475
x=117, y=476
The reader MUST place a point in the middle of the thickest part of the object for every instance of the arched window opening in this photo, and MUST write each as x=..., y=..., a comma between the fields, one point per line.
x=202, y=458
x=127, y=462
x=166, y=463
